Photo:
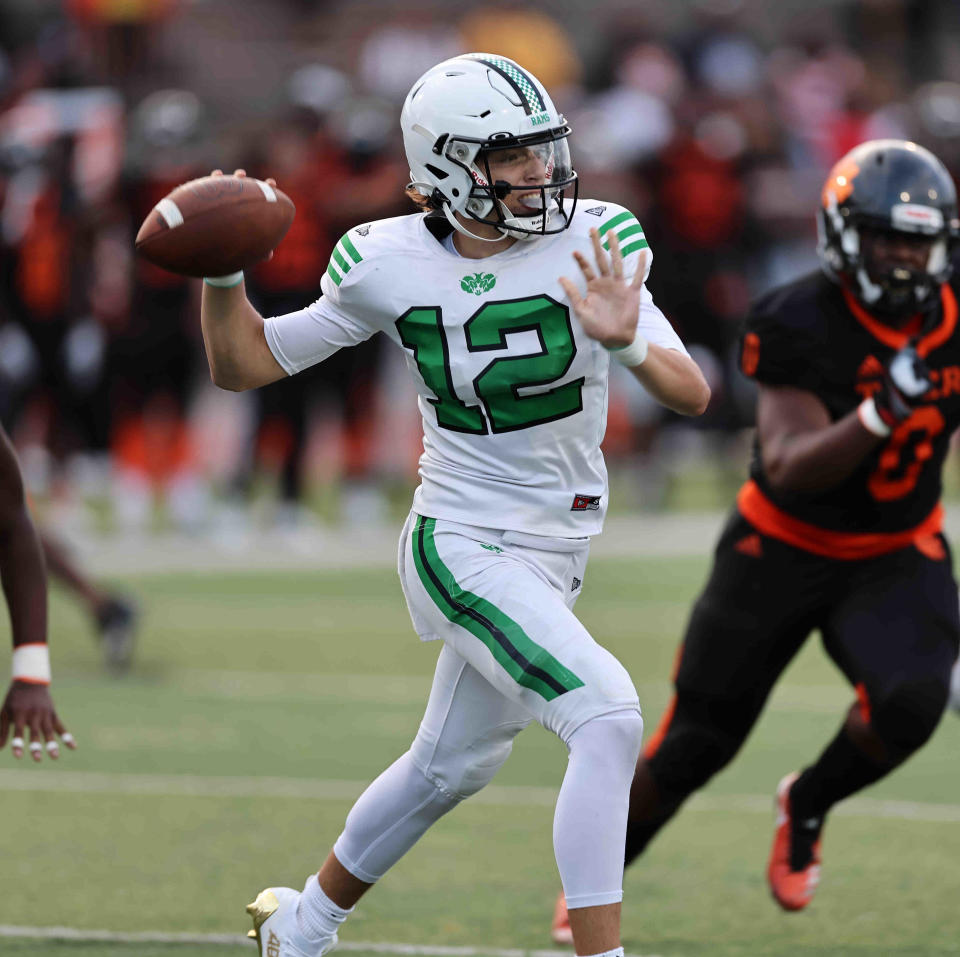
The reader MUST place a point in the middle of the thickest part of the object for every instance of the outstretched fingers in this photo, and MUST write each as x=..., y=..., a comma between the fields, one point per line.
x=573, y=294
x=641, y=272
x=603, y=262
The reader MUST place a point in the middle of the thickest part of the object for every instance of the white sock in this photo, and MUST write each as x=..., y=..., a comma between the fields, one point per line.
x=618, y=952
x=317, y=916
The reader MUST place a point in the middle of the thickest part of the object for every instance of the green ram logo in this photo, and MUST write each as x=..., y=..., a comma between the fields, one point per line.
x=478, y=283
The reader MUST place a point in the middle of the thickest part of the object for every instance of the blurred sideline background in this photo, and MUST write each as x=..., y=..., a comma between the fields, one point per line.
x=715, y=121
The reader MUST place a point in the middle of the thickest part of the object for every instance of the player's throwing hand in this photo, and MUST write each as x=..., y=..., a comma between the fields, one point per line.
x=609, y=311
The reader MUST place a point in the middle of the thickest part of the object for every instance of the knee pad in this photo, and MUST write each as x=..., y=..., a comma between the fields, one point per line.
x=614, y=737
x=692, y=750
x=907, y=716
x=460, y=771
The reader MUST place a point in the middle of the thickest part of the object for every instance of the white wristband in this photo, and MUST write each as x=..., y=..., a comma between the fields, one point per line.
x=870, y=419
x=225, y=282
x=632, y=355
x=31, y=663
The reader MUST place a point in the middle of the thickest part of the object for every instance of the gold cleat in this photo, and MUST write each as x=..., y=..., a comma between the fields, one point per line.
x=265, y=904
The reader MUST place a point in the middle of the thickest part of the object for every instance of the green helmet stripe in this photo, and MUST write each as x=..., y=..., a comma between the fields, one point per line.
x=520, y=81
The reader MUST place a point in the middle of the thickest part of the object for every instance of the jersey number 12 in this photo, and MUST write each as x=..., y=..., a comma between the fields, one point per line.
x=497, y=385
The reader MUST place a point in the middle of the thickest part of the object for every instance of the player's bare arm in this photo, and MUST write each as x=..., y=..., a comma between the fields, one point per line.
x=609, y=313
x=802, y=449
x=236, y=347
x=27, y=709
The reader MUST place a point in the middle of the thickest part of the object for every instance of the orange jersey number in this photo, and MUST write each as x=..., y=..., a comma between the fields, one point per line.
x=896, y=475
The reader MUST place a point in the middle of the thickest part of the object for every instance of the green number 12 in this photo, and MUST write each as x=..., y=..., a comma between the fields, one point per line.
x=497, y=385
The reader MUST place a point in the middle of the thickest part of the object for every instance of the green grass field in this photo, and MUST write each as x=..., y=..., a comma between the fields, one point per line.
x=261, y=704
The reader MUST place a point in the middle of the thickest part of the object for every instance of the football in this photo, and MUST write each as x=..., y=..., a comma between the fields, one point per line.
x=215, y=225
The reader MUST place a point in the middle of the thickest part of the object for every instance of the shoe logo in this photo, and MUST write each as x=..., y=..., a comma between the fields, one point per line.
x=597, y=210
x=750, y=545
x=576, y=584
x=273, y=945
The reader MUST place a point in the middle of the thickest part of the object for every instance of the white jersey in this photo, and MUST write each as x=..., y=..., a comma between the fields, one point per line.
x=512, y=391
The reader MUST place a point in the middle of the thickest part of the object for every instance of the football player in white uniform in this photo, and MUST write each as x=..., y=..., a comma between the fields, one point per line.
x=511, y=363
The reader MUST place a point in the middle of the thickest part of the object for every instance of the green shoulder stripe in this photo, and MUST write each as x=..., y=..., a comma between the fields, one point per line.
x=624, y=225
x=340, y=264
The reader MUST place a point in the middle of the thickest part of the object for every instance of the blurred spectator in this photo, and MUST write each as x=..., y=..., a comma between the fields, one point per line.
x=153, y=361
x=532, y=37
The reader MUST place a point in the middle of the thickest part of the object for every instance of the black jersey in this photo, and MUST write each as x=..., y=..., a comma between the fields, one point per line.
x=815, y=336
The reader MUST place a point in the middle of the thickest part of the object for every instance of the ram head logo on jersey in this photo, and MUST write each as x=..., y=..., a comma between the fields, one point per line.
x=478, y=283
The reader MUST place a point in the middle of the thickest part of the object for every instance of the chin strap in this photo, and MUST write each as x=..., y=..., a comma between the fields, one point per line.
x=460, y=228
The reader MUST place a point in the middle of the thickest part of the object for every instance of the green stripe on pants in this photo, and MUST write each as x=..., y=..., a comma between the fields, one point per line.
x=522, y=658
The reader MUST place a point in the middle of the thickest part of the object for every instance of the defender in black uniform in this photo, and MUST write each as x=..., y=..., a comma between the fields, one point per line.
x=839, y=526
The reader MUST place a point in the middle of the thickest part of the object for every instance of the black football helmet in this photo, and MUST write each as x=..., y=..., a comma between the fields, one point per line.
x=891, y=186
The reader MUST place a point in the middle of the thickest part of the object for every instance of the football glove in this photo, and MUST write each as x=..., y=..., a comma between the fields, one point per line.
x=906, y=380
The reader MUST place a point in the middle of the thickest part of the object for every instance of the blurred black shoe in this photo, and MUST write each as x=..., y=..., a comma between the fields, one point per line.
x=117, y=621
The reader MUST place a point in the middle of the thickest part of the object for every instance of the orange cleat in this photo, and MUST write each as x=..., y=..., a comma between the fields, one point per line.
x=560, y=928
x=794, y=869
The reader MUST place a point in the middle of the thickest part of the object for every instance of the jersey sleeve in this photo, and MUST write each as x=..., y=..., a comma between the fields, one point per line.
x=654, y=326
x=630, y=236
x=341, y=317
x=774, y=352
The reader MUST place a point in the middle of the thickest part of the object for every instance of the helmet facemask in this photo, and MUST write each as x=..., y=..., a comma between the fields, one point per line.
x=540, y=208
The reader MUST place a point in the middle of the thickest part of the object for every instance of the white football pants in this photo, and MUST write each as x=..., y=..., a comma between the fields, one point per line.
x=513, y=652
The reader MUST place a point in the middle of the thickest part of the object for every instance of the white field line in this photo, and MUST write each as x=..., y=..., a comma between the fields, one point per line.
x=235, y=940
x=189, y=785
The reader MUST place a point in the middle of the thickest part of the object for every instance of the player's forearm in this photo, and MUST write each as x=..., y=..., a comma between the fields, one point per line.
x=819, y=459
x=674, y=380
x=234, y=340
x=24, y=578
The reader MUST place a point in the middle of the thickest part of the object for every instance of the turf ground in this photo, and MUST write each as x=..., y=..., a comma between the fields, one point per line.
x=261, y=704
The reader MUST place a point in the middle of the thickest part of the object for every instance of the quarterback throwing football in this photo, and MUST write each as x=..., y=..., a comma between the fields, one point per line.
x=511, y=362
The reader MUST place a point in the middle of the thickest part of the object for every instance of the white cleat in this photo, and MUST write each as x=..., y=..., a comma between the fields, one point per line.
x=275, y=926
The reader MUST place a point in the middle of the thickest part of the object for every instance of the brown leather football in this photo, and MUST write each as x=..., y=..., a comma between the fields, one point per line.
x=215, y=225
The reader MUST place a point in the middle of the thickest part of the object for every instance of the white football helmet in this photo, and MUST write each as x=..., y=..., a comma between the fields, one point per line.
x=460, y=111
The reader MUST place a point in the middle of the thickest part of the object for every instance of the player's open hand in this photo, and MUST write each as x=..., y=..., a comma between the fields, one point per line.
x=609, y=311
x=240, y=173
x=29, y=708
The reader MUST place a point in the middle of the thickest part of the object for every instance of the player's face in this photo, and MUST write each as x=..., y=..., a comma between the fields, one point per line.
x=526, y=166
x=887, y=251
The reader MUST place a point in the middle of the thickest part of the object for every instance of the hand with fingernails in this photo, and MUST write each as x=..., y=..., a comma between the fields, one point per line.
x=609, y=311
x=29, y=708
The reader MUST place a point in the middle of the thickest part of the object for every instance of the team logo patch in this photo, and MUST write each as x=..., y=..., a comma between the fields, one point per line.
x=478, y=283
x=362, y=230
x=585, y=503
x=576, y=584
x=597, y=210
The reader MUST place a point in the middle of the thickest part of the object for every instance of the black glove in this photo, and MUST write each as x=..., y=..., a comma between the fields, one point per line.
x=906, y=380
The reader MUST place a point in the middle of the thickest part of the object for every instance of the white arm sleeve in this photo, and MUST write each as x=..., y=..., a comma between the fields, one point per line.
x=301, y=339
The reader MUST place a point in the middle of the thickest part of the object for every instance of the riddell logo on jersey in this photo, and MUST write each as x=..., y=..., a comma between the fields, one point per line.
x=585, y=503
